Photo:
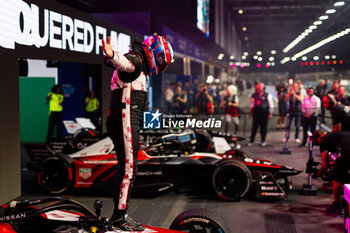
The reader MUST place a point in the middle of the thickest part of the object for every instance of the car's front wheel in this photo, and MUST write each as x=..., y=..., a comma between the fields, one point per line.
x=54, y=175
x=200, y=221
x=232, y=180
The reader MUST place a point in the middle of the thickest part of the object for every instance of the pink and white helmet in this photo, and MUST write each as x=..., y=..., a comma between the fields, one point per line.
x=159, y=53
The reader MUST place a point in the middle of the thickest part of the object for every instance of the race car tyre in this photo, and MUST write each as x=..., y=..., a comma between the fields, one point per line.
x=232, y=180
x=199, y=220
x=54, y=175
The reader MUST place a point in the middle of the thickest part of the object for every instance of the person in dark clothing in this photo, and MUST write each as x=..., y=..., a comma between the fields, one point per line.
x=282, y=107
x=295, y=98
x=261, y=111
x=179, y=101
x=320, y=92
x=129, y=98
x=340, y=113
x=335, y=150
x=335, y=87
x=55, y=98
x=342, y=97
x=203, y=100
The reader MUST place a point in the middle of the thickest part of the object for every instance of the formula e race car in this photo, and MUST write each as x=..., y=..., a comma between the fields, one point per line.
x=170, y=162
x=61, y=215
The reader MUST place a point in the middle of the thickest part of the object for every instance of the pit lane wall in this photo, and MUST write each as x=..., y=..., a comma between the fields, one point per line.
x=46, y=30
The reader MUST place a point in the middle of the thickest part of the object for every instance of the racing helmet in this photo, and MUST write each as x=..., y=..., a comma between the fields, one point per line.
x=159, y=53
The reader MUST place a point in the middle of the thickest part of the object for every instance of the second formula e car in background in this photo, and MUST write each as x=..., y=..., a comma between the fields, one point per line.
x=169, y=162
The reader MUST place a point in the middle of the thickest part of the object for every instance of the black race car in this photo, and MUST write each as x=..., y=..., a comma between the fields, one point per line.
x=170, y=162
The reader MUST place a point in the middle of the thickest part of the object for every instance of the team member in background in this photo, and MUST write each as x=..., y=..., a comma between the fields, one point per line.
x=320, y=91
x=92, y=106
x=335, y=87
x=129, y=99
x=179, y=101
x=295, y=98
x=335, y=150
x=55, y=98
x=343, y=97
x=282, y=106
x=231, y=103
x=340, y=113
x=261, y=110
x=310, y=108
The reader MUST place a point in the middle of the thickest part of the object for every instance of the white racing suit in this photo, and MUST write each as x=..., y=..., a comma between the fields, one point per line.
x=129, y=99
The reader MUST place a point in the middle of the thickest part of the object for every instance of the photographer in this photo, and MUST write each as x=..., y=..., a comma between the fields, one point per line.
x=335, y=150
x=204, y=100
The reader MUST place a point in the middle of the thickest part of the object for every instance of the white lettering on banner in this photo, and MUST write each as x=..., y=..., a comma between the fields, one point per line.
x=55, y=30
x=20, y=24
x=88, y=32
x=100, y=31
x=67, y=32
x=79, y=35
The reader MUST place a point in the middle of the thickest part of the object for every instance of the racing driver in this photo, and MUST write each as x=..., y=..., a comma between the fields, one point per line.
x=128, y=101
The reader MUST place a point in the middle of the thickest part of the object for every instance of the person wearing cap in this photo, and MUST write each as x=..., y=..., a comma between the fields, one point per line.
x=335, y=151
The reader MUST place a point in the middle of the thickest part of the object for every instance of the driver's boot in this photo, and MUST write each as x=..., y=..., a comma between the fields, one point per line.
x=125, y=223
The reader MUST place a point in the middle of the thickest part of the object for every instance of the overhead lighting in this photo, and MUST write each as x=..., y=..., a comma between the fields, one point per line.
x=245, y=54
x=304, y=58
x=240, y=11
x=294, y=58
x=323, y=17
x=284, y=60
x=316, y=58
x=258, y=65
x=313, y=27
x=273, y=63
x=259, y=53
x=330, y=11
x=308, y=30
x=334, y=57
x=326, y=57
x=255, y=57
x=232, y=57
x=318, y=22
x=273, y=51
x=244, y=57
x=244, y=29
x=246, y=38
x=260, y=59
x=221, y=56
x=271, y=58
x=341, y=3
x=322, y=42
